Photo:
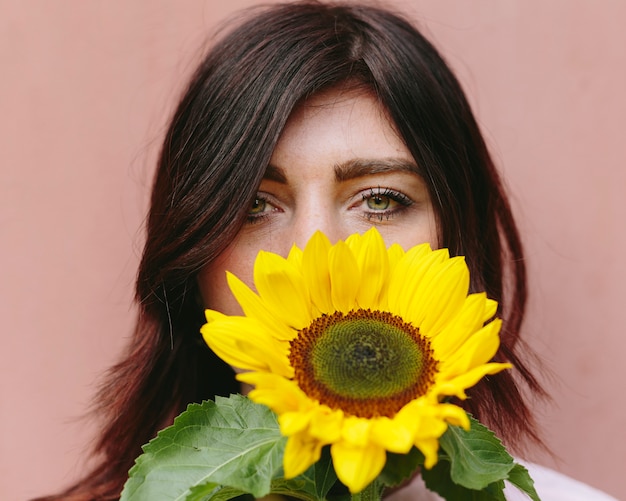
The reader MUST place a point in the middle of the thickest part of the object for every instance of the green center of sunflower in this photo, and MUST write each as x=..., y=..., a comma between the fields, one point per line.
x=367, y=363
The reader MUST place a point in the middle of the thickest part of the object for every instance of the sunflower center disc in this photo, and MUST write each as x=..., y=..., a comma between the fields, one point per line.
x=367, y=363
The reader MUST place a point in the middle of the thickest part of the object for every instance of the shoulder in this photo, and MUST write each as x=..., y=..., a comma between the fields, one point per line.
x=554, y=486
x=550, y=485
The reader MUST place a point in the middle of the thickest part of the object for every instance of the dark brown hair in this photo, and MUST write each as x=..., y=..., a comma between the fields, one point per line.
x=214, y=155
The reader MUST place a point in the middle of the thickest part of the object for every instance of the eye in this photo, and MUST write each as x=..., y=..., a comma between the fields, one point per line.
x=261, y=208
x=378, y=202
x=383, y=203
x=258, y=206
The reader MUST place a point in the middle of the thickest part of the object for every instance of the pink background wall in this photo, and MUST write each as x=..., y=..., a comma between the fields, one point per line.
x=84, y=93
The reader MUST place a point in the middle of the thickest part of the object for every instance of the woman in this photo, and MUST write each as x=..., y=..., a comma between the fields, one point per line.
x=306, y=116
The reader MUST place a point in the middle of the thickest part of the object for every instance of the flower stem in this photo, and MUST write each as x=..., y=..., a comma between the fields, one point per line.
x=373, y=492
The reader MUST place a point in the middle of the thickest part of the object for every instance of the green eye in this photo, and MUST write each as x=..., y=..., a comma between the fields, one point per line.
x=258, y=206
x=378, y=202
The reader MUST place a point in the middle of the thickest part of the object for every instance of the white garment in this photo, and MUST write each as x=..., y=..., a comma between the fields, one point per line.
x=549, y=484
x=554, y=486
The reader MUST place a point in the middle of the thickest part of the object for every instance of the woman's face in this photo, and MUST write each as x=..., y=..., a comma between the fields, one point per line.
x=338, y=167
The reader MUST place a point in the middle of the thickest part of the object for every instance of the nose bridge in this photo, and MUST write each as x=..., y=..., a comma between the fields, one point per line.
x=314, y=216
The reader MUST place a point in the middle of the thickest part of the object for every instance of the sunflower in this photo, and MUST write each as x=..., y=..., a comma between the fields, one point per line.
x=359, y=347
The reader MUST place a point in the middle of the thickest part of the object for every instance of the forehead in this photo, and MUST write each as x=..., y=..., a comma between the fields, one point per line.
x=337, y=125
x=343, y=101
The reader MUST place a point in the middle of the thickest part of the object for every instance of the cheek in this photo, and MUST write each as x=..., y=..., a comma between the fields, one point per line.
x=238, y=258
x=423, y=229
x=212, y=283
x=427, y=233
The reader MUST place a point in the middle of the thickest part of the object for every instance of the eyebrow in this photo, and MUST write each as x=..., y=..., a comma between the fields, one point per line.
x=361, y=167
x=273, y=173
x=352, y=169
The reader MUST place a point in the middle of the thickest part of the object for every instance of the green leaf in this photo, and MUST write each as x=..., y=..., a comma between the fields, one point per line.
x=520, y=478
x=438, y=479
x=477, y=457
x=213, y=492
x=301, y=487
x=401, y=467
x=324, y=474
x=230, y=442
x=373, y=492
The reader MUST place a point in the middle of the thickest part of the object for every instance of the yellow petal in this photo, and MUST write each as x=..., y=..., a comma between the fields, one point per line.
x=454, y=415
x=295, y=256
x=301, y=451
x=356, y=430
x=408, y=275
x=279, y=394
x=281, y=287
x=438, y=296
x=392, y=435
x=478, y=349
x=212, y=315
x=373, y=263
x=293, y=422
x=316, y=273
x=357, y=467
x=428, y=422
x=491, y=307
x=253, y=306
x=326, y=424
x=469, y=319
x=244, y=342
x=457, y=385
x=345, y=279
x=429, y=447
x=353, y=241
x=394, y=254
x=447, y=298
x=273, y=352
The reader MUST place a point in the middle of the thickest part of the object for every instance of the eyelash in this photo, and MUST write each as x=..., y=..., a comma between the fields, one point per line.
x=397, y=196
